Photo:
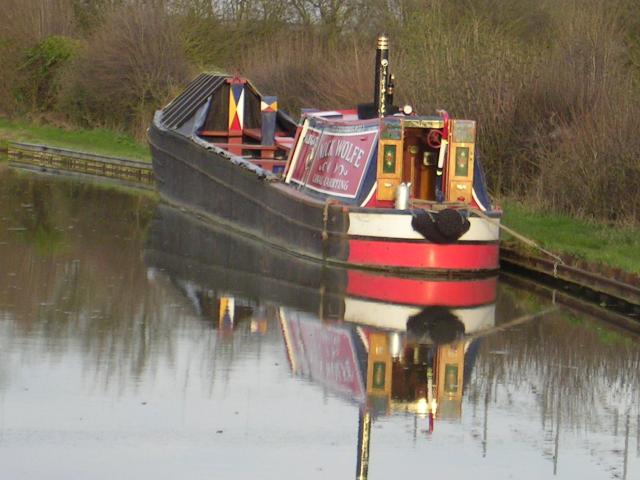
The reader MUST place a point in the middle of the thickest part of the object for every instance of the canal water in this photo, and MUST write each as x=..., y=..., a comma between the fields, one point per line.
x=137, y=342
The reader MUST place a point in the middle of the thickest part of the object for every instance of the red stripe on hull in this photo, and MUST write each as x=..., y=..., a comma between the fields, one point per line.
x=427, y=256
x=409, y=291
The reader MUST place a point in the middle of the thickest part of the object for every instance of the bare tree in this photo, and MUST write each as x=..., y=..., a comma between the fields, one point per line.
x=129, y=67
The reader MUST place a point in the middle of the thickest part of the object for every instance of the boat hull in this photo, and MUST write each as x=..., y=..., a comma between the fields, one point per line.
x=230, y=191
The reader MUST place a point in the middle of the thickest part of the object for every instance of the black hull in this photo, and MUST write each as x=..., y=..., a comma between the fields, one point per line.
x=209, y=183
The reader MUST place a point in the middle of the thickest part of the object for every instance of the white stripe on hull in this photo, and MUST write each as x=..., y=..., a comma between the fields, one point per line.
x=399, y=226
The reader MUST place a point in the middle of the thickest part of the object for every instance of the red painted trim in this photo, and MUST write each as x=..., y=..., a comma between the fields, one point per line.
x=235, y=144
x=236, y=80
x=428, y=256
x=410, y=291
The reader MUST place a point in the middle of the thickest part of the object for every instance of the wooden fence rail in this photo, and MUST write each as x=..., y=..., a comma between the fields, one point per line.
x=47, y=158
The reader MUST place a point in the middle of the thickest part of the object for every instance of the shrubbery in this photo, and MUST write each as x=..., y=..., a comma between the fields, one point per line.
x=130, y=66
x=553, y=85
x=41, y=72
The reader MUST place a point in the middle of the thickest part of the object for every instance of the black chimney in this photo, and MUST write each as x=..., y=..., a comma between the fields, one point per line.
x=380, y=87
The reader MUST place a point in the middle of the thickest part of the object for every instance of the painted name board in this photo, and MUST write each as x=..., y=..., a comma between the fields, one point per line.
x=333, y=158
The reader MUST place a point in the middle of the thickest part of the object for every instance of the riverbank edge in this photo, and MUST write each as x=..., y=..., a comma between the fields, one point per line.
x=96, y=141
x=621, y=291
x=46, y=158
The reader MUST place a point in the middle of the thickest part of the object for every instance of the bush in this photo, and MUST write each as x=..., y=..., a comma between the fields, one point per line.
x=304, y=71
x=40, y=71
x=25, y=25
x=9, y=57
x=554, y=86
x=128, y=68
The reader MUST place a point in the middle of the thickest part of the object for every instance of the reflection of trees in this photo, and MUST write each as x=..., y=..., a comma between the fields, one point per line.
x=574, y=374
x=94, y=296
x=591, y=368
x=94, y=292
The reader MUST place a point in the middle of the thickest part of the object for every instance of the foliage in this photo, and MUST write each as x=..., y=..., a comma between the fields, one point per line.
x=129, y=67
x=90, y=14
x=554, y=85
x=41, y=66
x=26, y=24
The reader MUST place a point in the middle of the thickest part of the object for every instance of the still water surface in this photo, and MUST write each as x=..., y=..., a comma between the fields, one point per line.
x=137, y=343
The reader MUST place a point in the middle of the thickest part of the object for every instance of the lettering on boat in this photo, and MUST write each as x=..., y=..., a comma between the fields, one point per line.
x=334, y=158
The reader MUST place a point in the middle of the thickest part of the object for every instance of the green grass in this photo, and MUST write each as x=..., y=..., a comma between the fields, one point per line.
x=593, y=242
x=100, y=141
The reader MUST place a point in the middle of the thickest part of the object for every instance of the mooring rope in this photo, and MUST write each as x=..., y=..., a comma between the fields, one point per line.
x=519, y=236
x=514, y=322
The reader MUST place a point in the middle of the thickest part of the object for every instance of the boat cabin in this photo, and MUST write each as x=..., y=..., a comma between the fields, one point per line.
x=369, y=162
x=377, y=155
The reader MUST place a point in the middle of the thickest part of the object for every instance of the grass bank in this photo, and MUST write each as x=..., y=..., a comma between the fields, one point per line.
x=100, y=141
x=593, y=242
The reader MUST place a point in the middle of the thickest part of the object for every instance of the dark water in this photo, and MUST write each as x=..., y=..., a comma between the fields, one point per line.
x=136, y=343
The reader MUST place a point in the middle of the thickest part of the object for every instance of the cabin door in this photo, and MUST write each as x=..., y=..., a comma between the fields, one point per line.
x=420, y=162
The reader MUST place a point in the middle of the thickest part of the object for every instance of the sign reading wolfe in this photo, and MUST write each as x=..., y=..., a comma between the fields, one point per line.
x=333, y=159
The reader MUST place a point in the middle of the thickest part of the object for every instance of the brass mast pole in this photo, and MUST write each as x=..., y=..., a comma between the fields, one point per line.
x=381, y=76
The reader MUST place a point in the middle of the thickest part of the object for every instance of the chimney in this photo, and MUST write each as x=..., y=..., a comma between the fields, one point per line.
x=380, y=87
x=269, y=110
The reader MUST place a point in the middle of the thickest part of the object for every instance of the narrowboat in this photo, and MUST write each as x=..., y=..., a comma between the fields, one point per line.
x=374, y=187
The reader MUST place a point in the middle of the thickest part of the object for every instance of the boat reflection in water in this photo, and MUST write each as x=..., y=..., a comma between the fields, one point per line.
x=394, y=357
x=388, y=344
